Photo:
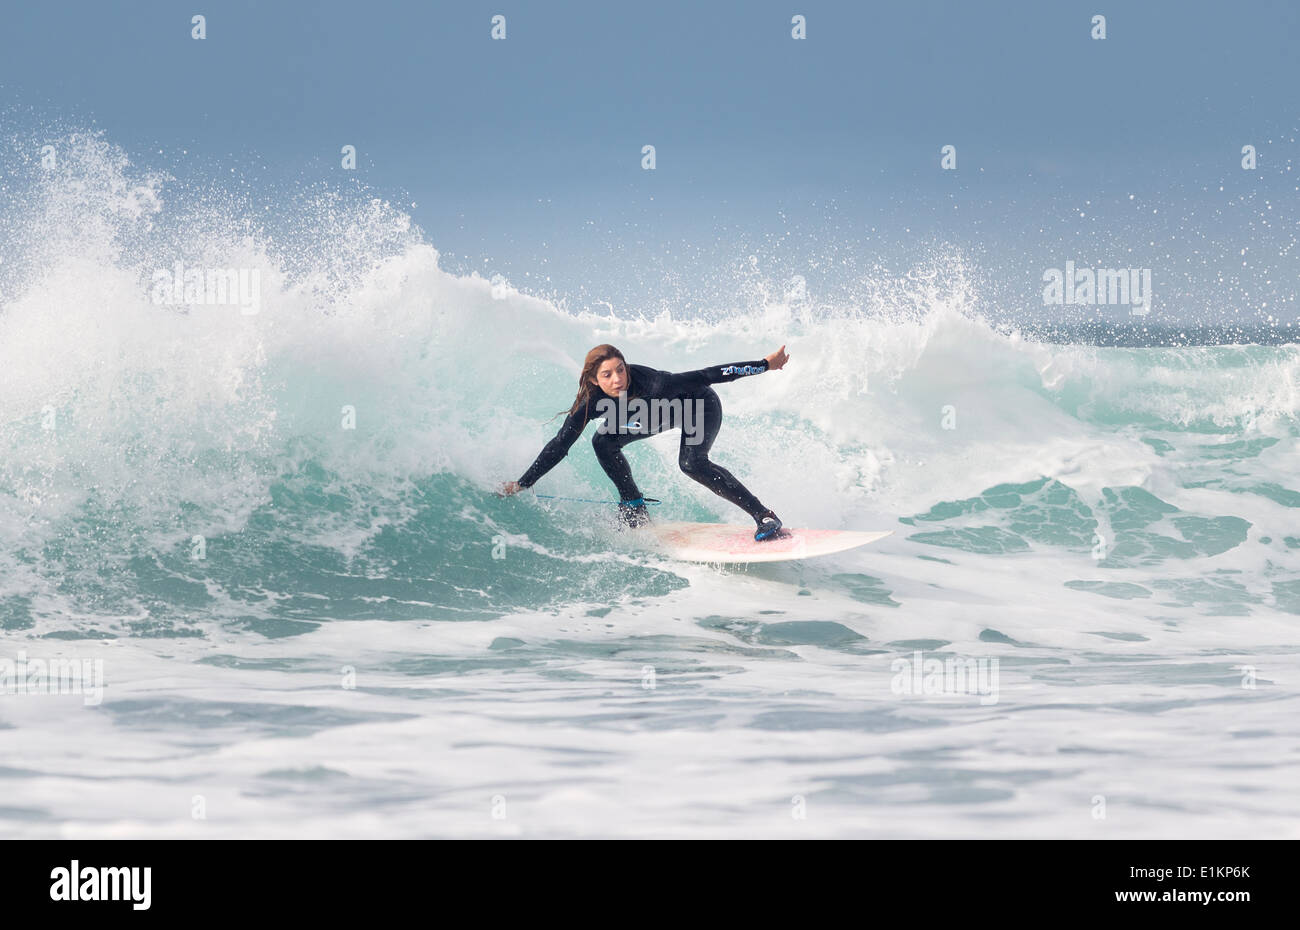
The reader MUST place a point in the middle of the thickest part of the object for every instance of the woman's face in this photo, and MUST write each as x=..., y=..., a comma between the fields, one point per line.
x=611, y=376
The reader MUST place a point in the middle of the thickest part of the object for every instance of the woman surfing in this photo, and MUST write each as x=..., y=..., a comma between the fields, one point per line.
x=681, y=400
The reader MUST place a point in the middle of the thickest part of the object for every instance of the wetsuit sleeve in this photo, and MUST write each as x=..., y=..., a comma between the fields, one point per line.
x=557, y=448
x=716, y=374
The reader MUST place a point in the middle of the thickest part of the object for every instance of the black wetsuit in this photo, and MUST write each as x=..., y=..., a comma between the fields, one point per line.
x=672, y=401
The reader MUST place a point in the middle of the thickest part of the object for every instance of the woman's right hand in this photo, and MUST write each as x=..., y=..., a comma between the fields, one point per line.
x=510, y=487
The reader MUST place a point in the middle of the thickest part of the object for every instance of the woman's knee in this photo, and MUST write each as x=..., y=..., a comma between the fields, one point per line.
x=691, y=462
x=605, y=444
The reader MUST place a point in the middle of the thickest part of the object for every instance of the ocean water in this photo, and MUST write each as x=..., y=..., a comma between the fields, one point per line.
x=275, y=536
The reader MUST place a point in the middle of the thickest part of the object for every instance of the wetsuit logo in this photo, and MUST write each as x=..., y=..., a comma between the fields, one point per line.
x=742, y=370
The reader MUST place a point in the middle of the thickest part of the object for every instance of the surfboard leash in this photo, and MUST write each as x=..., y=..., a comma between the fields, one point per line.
x=584, y=500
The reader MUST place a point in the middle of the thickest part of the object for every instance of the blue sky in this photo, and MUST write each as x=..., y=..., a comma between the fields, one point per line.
x=523, y=155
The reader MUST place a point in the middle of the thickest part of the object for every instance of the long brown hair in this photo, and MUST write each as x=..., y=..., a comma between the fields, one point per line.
x=590, y=365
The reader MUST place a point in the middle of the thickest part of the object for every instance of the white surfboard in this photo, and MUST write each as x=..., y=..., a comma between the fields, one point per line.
x=718, y=542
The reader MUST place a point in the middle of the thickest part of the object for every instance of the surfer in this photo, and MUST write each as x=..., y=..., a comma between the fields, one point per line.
x=605, y=371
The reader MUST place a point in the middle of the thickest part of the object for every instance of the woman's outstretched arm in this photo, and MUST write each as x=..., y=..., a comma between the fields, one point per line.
x=716, y=374
x=552, y=452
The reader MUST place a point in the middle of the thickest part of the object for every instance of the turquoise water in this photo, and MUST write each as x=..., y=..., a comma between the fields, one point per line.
x=277, y=532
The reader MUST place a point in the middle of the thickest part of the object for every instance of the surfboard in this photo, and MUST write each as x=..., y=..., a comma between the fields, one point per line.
x=719, y=542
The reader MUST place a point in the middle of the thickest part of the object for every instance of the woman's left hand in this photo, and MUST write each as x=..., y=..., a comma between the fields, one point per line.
x=776, y=361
